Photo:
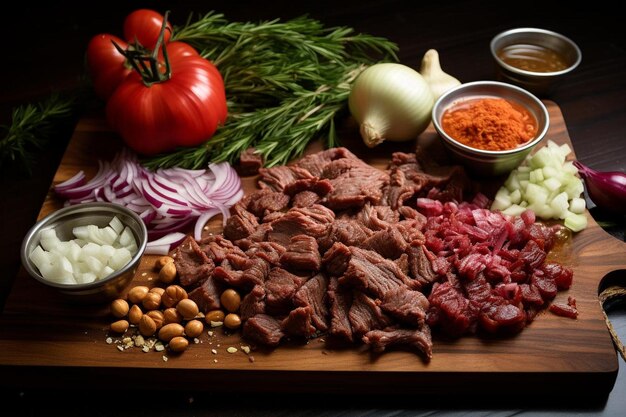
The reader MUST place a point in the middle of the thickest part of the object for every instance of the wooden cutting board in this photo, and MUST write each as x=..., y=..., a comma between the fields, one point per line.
x=44, y=340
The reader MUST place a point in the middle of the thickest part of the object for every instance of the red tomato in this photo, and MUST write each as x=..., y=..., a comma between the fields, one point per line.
x=107, y=67
x=184, y=110
x=144, y=25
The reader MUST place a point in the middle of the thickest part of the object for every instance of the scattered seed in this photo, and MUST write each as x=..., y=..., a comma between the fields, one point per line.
x=109, y=340
x=251, y=359
x=165, y=358
x=139, y=341
x=144, y=274
x=210, y=333
x=145, y=348
x=216, y=323
x=196, y=340
x=231, y=349
x=159, y=348
x=215, y=360
x=214, y=351
x=120, y=348
x=246, y=349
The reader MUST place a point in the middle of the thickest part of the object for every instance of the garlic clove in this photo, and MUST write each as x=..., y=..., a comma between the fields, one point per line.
x=437, y=79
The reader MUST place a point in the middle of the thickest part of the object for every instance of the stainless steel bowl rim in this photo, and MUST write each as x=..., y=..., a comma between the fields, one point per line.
x=451, y=141
x=516, y=70
x=92, y=206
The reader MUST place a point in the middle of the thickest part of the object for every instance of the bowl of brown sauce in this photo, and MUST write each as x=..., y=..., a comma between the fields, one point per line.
x=534, y=59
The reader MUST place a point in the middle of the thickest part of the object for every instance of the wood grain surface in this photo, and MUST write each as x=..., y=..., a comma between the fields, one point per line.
x=42, y=335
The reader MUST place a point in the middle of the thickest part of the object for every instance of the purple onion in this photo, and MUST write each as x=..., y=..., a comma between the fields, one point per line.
x=606, y=189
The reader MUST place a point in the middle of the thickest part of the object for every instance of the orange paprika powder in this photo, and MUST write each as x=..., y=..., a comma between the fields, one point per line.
x=493, y=124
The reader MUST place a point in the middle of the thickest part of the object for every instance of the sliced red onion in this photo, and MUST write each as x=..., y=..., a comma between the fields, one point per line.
x=76, y=181
x=168, y=200
x=162, y=246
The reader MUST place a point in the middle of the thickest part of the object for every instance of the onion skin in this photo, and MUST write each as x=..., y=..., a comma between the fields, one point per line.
x=390, y=102
x=606, y=189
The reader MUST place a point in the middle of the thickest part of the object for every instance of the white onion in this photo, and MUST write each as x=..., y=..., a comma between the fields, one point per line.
x=168, y=199
x=86, y=258
x=391, y=101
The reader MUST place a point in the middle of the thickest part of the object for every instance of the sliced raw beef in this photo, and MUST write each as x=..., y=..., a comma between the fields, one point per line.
x=193, y=266
x=419, y=339
x=263, y=329
x=340, y=301
x=313, y=294
x=366, y=315
x=302, y=254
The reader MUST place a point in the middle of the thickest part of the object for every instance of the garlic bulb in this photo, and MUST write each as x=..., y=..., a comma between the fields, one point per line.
x=390, y=102
x=439, y=81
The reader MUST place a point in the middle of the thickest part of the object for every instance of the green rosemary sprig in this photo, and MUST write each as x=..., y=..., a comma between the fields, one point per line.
x=286, y=83
x=30, y=129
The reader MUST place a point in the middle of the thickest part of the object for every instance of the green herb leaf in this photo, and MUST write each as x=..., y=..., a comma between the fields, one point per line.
x=30, y=129
x=286, y=82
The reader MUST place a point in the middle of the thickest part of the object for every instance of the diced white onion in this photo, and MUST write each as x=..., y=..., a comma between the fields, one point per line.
x=548, y=184
x=88, y=257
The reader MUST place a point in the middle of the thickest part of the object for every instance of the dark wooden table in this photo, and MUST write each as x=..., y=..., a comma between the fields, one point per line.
x=43, y=52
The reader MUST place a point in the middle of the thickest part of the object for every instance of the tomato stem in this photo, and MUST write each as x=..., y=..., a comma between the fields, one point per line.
x=147, y=64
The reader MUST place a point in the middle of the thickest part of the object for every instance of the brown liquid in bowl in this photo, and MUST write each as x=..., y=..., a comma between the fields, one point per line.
x=533, y=58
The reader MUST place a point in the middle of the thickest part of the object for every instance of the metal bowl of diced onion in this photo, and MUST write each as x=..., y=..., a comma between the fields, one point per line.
x=87, y=252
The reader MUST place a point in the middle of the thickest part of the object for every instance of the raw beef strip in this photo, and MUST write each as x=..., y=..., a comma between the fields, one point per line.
x=419, y=339
x=302, y=254
x=240, y=224
x=336, y=259
x=252, y=303
x=207, y=295
x=268, y=251
x=299, y=322
x=313, y=294
x=350, y=232
x=250, y=162
x=340, y=301
x=366, y=315
x=406, y=306
x=369, y=272
x=420, y=267
x=315, y=163
x=450, y=311
x=377, y=217
x=276, y=178
x=192, y=265
x=389, y=243
x=217, y=247
x=263, y=329
x=318, y=186
x=242, y=272
x=280, y=288
x=305, y=199
x=354, y=184
x=264, y=202
x=311, y=221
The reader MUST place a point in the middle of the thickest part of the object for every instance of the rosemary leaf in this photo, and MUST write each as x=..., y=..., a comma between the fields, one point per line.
x=30, y=129
x=286, y=83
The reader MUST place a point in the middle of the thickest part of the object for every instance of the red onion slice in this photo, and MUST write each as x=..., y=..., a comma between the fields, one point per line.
x=168, y=200
x=163, y=245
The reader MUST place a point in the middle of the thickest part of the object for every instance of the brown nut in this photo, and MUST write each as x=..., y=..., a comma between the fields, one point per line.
x=119, y=308
x=147, y=326
x=152, y=301
x=194, y=328
x=167, y=274
x=214, y=315
x=162, y=261
x=170, y=331
x=178, y=344
x=158, y=290
x=172, y=295
x=158, y=317
x=232, y=321
x=134, y=314
x=187, y=308
x=137, y=294
x=119, y=326
x=231, y=300
x=171, y=315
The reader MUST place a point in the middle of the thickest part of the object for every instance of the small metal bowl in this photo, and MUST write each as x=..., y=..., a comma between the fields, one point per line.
x=539, y=83
x=485, y=162
x=99, y=214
